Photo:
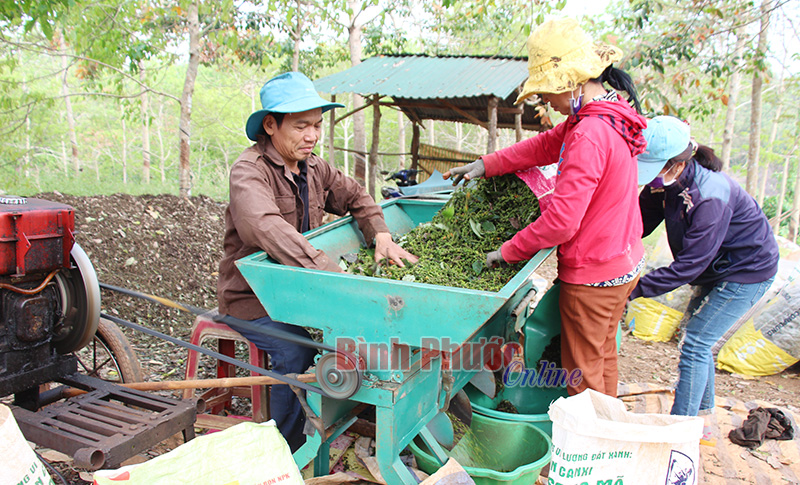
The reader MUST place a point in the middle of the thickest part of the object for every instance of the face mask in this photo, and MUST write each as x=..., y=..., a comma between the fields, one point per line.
x=657, y=182
x=664, y=183
x=576, y=104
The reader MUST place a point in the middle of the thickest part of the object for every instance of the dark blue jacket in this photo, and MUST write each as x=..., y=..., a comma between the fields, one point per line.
x=716, y=231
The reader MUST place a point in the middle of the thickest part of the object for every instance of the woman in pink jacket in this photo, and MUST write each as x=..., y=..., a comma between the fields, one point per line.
x=594, y=213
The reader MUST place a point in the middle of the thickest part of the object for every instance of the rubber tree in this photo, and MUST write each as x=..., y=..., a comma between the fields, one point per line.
x=759, y=73
x=185, y=120
x=210, y=28
x=734, y=87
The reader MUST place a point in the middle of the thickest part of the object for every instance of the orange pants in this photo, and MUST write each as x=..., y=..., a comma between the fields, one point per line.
x=589, y=320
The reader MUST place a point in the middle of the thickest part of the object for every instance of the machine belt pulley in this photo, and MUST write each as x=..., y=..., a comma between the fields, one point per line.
x=338, y=373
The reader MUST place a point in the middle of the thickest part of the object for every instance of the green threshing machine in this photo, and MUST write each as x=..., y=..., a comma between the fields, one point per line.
x=406, y=337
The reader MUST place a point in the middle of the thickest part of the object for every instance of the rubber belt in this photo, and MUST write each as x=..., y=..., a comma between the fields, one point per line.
x=217, y=355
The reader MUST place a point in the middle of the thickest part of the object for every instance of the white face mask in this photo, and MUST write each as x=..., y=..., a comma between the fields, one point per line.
x=575, y=105
x=664, y=181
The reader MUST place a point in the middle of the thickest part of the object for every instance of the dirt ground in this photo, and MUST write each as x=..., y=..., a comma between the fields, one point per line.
x=170, y=247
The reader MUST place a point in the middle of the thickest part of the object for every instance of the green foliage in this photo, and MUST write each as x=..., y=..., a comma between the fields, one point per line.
x=682, y=51
x=770, y=205
x=478, y=28
x=44, y=13
x=452, y=247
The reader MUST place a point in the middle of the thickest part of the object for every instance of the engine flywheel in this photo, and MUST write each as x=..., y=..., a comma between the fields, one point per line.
x=80, y=303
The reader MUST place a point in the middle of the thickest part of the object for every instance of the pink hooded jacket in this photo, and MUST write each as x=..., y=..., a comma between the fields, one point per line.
x=594, y=214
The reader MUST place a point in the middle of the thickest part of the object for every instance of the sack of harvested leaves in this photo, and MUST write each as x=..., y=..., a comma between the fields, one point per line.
x=452, y=247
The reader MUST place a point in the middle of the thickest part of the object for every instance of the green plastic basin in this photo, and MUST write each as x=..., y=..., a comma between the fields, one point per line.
x=495, y=451
x=532, y=404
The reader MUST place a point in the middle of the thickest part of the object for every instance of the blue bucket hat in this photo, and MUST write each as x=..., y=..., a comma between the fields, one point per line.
x=291, y=92
x=666, y=138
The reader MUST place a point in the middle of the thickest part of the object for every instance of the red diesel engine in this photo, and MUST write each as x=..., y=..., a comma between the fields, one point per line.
x=49, y=294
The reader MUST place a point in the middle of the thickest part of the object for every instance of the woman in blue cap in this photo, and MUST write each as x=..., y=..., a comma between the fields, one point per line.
x=721, y=242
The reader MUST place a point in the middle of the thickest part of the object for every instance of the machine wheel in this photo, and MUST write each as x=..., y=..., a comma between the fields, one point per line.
x=80, y=303
x=109, y=356
x=338, y=374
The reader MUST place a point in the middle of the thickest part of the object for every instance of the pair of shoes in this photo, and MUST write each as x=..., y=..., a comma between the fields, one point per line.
x=708, y=437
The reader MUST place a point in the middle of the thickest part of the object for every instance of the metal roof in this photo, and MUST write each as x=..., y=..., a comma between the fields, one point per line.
x=423, y=77
x=456, y=88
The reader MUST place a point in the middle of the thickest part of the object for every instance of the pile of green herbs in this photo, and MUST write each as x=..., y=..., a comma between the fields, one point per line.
x=452, y=247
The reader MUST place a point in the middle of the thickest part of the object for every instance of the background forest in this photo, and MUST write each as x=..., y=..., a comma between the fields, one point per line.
x=150, y=96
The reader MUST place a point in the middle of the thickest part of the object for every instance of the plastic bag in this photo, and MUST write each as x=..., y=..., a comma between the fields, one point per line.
x=19, y=463
x=769, y=340
x=248, y=453
x=750, y=353
x=596, y=440
x=542, y=181
x=652, y=320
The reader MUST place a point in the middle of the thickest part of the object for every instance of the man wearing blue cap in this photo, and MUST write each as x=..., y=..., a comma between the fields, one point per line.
x=280, y=189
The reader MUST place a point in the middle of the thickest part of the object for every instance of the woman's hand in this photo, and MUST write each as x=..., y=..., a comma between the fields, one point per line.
x=495, y=259
x=467, y=172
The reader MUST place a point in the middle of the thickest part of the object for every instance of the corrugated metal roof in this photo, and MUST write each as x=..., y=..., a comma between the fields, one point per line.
x=422, y=77
x=455, y=88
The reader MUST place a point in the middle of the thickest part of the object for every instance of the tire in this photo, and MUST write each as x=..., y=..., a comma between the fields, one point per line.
x=110, y=356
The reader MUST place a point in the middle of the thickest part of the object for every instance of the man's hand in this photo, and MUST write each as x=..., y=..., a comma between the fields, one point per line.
x=385, y=247
x=469, y=171
x=494, y=259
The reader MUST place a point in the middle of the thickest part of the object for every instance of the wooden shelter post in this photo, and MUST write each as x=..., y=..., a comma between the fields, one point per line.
x=518, y=123
x=415, y=146
x=331, y=134
x=373, y=151
x=491, y=145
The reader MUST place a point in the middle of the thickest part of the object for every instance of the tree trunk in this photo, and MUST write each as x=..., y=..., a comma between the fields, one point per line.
x=185, y=123
x=772, y=135
x=415, y=146
x=124, y=146
x=762, y=183
x=491, y=144
x=145, y=107
x=794, y=220
x=161, y=144
x=373, y=152
x=73, y=138
x=401, y=135
x=64, y=156
x=776, y=223
x=733, y=96
x=755, y=113
x=297, y=36
x=26, y=160
x=359, y=118
x=332, y=134
x=346, y=146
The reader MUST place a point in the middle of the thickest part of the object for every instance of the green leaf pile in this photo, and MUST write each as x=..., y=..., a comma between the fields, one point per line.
x=452, y=247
